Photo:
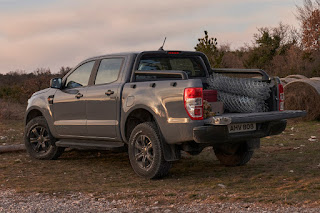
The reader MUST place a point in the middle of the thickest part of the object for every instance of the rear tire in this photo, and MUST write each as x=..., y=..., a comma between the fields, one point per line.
x=39, y=142
x=233, y=154
x=145, y=152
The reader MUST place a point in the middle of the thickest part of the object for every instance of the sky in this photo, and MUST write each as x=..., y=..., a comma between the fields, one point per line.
x=50, y=34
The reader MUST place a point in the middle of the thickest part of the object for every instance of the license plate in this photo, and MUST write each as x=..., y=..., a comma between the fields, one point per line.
x=244, y=127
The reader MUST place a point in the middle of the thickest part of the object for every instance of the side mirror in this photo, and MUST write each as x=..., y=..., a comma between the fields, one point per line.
x=56, y=83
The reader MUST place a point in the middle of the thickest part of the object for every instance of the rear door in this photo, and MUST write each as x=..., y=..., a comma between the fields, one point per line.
x=69, y=104
x=102, y=106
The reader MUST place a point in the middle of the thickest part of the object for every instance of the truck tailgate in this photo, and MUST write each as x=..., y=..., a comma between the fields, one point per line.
x=258, y=117
x=226, y=128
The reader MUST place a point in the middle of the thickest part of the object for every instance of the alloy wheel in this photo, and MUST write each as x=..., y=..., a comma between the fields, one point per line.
x=39, y=139
x=143, y=152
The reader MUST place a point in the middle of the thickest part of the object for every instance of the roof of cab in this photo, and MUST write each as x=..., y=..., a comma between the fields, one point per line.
x=138, y=52
x=114, y=54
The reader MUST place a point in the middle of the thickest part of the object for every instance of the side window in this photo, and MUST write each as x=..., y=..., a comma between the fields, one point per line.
x=108, y=70
x=80, y=77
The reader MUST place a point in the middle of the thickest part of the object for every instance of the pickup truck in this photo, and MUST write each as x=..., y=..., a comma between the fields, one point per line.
x=150, y=103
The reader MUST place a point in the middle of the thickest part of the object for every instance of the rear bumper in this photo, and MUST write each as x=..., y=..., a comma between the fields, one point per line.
x=220, y=134
x=268, y=123
x=257, y=117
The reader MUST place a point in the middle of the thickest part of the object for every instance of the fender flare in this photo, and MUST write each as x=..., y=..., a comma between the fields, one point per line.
x=171, y=152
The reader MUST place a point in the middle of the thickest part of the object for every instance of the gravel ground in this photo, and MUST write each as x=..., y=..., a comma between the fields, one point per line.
x=10, y=201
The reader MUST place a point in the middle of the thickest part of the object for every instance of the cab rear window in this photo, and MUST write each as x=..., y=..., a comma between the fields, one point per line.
x=193, y=66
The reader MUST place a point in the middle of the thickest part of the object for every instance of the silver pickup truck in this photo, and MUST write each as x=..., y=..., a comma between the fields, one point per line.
x=150, y=103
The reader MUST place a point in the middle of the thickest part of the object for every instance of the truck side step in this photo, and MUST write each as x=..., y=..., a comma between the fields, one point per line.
x=87, y=144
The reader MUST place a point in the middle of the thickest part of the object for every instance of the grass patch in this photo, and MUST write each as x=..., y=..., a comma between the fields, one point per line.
x=286, y=169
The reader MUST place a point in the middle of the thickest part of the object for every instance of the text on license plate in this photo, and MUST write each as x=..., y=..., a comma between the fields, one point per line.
x=244, y=127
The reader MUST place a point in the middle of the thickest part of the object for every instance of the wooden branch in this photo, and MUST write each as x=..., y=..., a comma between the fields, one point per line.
x=12, y=148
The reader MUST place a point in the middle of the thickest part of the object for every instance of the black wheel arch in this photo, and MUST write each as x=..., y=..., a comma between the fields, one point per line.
x=139, y=115
x=35, y=111
x=32, y=114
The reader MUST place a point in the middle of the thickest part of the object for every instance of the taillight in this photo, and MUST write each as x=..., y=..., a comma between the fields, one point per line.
x=193, y=102
x=281, y=97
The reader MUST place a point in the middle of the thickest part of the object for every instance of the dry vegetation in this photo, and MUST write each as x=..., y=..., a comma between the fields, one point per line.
x=286, y=170
x=11, y=110
x=281, y=51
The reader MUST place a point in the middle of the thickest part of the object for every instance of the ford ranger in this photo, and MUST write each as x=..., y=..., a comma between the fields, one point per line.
x=151, y=103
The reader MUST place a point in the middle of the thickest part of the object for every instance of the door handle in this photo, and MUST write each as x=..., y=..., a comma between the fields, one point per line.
x=109, y=92
x=79, y=95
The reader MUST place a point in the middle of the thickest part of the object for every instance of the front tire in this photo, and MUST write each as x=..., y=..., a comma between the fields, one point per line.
x=233, y=154
x=145, y=152
x=39, y=142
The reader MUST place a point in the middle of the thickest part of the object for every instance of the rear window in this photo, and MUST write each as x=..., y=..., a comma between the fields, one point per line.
x=191, y=65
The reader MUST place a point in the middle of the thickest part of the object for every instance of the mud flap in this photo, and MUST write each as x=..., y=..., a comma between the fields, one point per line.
x=171, y=152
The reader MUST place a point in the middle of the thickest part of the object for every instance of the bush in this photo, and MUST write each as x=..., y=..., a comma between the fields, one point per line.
x=11, y=110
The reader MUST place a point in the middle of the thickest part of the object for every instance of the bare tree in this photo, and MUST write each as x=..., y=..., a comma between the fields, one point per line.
x=64, y=70
x=305, y=11
x=309, y=17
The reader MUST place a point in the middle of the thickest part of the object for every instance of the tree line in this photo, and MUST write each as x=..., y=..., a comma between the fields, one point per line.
x=18, y=86
x=281, y=50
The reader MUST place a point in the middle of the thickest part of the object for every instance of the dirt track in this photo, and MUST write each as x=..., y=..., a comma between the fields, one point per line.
x=282, y=176
x=11, y=201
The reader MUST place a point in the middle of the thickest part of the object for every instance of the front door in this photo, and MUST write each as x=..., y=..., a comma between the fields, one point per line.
x=69, y=103
x=103, y=100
